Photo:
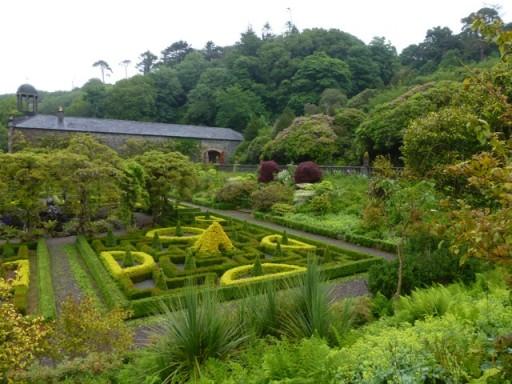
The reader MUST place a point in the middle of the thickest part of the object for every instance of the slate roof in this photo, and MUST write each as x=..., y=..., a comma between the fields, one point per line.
x=126, y=127
x=27, y=89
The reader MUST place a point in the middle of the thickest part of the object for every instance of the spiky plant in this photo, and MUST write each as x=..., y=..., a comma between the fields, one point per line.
x=260, y=310
x=201, y=330
x=310, y=313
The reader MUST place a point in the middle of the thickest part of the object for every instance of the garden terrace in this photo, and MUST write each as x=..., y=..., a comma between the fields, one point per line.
x=159, y=270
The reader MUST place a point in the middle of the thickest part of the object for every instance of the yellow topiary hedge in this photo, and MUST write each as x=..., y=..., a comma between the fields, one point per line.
x=212, y=219
x=271, y=271
x=146, y=266
x=169, y=234
x=22, y=273
x=270, y=242
x=213, y=240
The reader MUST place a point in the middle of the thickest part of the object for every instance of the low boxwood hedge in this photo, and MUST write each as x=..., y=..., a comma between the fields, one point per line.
x=111, y=293
x=350, y=238
x=47, y=307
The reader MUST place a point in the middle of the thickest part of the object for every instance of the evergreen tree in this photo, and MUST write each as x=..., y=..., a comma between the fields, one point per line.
x=156, y=244
x=110, y=240
x=284, y=238
x=257, y=269
x=160, y=281
x=8, y=250
x=128, y=260
x=190, y=262
x=178, y=230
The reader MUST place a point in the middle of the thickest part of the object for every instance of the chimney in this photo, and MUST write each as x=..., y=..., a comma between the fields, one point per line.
x=60, y=115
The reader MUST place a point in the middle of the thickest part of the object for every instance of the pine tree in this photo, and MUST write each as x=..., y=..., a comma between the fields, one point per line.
x=279, y=251
x=257, y=269
x=110, y=240
x=284, y=238
x=156, y=244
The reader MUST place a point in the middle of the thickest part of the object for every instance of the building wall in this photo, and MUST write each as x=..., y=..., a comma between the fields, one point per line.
x=116, y=141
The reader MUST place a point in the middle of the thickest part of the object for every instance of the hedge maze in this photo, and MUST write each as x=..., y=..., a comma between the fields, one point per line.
x=143, y=269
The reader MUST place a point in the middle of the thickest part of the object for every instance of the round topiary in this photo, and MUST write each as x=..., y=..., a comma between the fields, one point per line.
x=308, y=172
x=267, y=171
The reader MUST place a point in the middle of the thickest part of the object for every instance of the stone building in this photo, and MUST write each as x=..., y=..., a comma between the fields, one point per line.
x=217, y=144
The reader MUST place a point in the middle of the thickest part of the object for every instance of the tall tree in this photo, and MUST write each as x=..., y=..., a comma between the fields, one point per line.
x=147, y=62
x=175, y=52
x=212, y=51
x=104, y=67
x=125, y=64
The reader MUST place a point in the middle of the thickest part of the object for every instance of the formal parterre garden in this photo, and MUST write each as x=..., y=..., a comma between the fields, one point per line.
x=159, y=265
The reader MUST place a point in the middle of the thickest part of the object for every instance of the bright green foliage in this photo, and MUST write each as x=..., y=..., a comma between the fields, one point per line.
x=235, y=107
x=160, y=280
x=132, y=99
x=278, y=251
x=442, y=138
x=155, y=242
x=165, y=174
x=308, y=138
x=257, y=269
x=265, y=197
x=47, y=307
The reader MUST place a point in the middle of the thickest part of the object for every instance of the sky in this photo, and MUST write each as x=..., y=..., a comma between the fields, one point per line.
x=52, y=44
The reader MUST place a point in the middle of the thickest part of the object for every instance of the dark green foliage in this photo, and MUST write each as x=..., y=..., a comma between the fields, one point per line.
x=128, y=260
x=284, y=238
x=278, y=251
x=236, y=194
x=207, y=215
x=425, y=264
x=168, y=268
x=190, y=262
x=178, y=230
x=160, y=280
x=257, y=269
x=8, y=250
x=155, y=242
x=110, y=240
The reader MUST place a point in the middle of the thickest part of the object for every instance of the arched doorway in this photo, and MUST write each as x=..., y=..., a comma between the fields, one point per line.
x=214, y=156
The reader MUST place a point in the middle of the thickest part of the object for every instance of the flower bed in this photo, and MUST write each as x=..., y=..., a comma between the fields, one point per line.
x=239, y=275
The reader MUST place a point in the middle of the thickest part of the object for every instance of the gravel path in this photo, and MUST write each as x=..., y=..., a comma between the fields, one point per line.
x=244, y=216
x=352, y=288
x=64, y=284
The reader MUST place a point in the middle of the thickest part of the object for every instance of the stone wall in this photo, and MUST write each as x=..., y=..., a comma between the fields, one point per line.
x=116, y=141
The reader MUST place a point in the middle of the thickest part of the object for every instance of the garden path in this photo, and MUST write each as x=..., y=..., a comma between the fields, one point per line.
x=244, y=216
x=64, y=283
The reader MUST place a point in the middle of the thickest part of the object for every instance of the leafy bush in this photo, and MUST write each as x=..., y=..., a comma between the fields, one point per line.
x=264, y=198
x=267, y=171
x=82, y=329
x=236, y=193
x=308, y=172
x=281, y=209
x=320, y=204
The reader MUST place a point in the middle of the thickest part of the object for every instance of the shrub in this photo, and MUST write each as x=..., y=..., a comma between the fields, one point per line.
x=167, y=266
x=320, y=204
x=82, y=329
x=308, y=172
x=46, y=296
x=8, y=250
x=236, y=193
x=257, y=269
x=267, y=171
x=264, y=198
x=188, y=338
x=110, y=240
x=213, y=241
x=23, y=252
x=281, y=209
x=190, y=263
x=155, y=242
x=128, y=260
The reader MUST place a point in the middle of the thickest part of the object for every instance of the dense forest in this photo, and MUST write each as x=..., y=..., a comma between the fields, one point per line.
x=367, y=93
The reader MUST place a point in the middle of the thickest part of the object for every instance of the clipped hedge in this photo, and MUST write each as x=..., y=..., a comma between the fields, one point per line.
x=212, y=219
x=146, y=266
x=270, y=243
x=21, y=283
x=271, y=270
x=350, y=238
x=47, y=306
x=168, y=234
x=111, y=293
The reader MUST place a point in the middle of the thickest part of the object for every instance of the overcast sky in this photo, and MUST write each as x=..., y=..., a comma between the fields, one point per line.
x=52, y=44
